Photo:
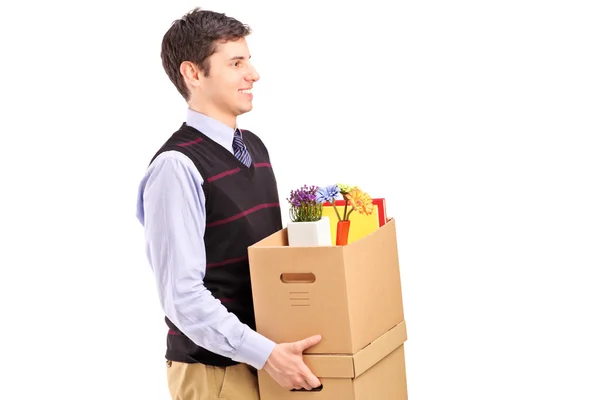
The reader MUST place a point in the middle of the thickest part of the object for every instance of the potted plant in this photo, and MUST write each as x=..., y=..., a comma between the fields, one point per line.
x=308, y=227
x=355, y=200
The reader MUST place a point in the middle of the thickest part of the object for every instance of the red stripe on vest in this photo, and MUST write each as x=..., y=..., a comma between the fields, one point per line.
x=222, y=174
x=229, y=261
x=189, y=143
x=226, y=300
x=242, y=214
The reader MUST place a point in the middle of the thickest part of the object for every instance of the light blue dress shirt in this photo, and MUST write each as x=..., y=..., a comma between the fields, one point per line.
x=171, y=207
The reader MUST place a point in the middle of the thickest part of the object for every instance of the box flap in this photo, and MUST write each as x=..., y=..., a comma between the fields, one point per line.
x=277, y=239
x=352, y=366
x=378, y=349
x=330, y=365
x=280, y=238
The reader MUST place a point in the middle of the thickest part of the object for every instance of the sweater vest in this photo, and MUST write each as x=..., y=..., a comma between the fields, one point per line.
x=242, y=208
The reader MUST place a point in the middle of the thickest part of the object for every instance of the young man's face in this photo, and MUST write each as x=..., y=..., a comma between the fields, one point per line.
x=226, y=92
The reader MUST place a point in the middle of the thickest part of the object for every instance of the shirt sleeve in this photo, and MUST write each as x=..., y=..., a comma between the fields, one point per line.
x=171, y=206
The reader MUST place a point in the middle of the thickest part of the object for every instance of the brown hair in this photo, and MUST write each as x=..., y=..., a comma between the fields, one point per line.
x=194, y=38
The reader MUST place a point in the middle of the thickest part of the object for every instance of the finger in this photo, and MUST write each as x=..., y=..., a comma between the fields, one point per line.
x=310, y=378
x=306, y=385
x=313, y=381
x=299, y=383
x=308, y=342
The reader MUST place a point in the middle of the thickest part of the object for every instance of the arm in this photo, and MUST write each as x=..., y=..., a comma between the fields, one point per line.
x=172, y=209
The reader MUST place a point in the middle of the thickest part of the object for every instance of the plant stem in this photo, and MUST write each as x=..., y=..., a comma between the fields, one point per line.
x=335, y=209
x=345, y=208
x=350, y=212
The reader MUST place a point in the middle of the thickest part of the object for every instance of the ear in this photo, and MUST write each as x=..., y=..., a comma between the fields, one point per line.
x=191, y=74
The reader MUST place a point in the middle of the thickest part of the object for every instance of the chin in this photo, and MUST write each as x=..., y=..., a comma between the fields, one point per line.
x=245, y=109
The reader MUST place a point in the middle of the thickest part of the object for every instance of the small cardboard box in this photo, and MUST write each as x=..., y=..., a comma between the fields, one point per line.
x=376, y=372
x=350, y=295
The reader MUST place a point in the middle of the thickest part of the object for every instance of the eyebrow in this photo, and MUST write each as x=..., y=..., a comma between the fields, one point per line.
x=239, y=58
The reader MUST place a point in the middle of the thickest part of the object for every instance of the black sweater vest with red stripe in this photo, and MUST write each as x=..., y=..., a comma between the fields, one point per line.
x=242, y=207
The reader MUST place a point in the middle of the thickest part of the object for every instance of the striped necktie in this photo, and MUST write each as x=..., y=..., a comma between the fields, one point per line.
x=239, y=149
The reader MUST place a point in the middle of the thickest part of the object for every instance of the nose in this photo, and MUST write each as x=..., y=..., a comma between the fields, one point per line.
x=253, y=74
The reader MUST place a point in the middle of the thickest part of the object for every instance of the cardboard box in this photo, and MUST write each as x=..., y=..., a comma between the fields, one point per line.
x=376, y=372
x=350, y=295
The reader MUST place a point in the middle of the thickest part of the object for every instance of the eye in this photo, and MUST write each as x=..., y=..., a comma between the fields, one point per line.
x=235, y=64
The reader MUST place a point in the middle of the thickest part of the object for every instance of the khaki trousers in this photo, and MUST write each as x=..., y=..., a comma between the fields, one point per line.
x=205, y=382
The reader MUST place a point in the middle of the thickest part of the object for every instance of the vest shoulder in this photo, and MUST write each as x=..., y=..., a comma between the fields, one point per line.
x=182, y=135
x=248, y=134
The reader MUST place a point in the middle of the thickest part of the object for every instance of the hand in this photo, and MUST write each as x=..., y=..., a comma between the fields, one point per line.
x=287, y=368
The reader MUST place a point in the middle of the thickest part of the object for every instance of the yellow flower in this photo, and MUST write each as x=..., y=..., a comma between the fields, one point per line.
x=360, y=201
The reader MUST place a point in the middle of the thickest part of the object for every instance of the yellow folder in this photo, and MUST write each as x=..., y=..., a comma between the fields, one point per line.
x=360, y=225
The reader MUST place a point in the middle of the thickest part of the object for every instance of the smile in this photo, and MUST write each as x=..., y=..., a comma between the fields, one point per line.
x=245, y=91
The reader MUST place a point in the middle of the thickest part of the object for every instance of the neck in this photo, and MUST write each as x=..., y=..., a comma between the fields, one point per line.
x=229, y=120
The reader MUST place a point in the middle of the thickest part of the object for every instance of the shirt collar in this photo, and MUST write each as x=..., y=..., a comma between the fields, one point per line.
x=215, y=130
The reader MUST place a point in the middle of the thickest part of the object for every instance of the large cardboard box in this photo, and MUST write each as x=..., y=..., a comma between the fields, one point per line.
x=350, y=295
x=376, y=372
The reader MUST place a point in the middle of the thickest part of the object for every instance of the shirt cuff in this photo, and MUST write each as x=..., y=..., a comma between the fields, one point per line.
x=255, y=349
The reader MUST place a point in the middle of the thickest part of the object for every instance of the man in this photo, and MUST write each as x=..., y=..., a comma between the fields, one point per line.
x=208, y=194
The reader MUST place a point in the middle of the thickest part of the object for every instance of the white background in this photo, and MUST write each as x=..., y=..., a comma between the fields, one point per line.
x=477, y=121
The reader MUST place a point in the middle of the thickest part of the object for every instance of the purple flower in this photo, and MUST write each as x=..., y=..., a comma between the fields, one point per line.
x=303, y=196
x=305, y=206
x=294, y=201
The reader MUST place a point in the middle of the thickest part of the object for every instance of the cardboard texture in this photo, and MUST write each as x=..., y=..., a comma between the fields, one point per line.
x=351, y=295
x=375, y=372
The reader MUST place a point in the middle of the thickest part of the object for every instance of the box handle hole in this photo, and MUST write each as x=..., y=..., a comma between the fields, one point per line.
x=317, y=389
x=298, y=278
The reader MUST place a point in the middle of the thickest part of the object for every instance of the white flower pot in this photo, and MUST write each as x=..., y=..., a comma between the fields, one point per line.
x=316, y=233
